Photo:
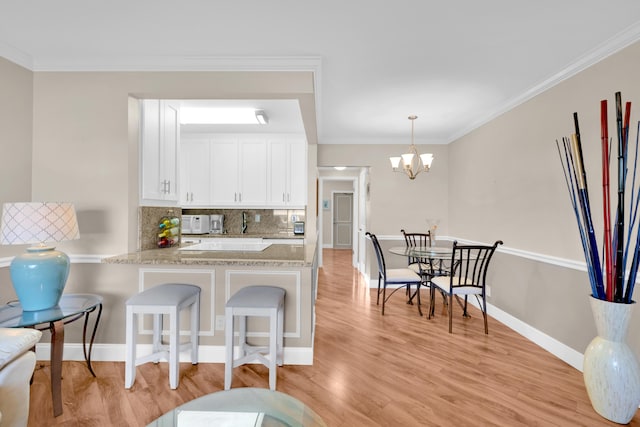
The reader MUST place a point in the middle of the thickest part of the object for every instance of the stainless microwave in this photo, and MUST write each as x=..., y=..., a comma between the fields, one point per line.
x=196, y=224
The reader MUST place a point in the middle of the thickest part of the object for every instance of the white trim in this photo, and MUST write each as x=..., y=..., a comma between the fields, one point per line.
x=553, y=346
x=534, y=256
x=206, y=353
x=356, y=215
x=16, y=56
x=565, y=353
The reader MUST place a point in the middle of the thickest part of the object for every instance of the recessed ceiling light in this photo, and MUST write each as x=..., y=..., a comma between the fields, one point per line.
x=339, y=168
x=222, y=116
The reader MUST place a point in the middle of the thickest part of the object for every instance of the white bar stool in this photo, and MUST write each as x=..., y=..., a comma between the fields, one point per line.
x=171, y=299
x=262, y=301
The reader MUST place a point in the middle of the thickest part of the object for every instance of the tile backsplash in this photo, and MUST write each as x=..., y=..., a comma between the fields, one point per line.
x=259, y=221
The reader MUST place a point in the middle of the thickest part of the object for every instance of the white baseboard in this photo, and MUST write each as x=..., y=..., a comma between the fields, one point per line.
x=553, y=346
x=206, y=353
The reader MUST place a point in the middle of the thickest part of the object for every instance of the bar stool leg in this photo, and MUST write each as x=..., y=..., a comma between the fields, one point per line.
x=157, y=334
x=195, y=327
x=280, y=333
x=130, y=359
x=242, y=336
x=228, y=366
x=273, y=350
x=174, y=348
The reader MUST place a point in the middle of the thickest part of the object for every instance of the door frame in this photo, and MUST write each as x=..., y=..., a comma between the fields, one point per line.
x=355, y=248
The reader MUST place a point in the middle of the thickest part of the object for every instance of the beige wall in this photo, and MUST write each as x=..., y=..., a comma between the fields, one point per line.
x=16, y=105
x=502, y=181
x=396, y=201
x=506, y=182
x=82, y=120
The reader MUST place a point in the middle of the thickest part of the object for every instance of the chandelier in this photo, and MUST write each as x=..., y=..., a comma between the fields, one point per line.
x=412, y=163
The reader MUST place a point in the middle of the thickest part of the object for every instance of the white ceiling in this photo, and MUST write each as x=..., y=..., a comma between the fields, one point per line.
x=455, y=64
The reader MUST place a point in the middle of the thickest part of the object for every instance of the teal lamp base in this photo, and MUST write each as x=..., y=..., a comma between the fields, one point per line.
x=39, y=277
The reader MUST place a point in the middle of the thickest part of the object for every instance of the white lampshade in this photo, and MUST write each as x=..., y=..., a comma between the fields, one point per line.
x=38, y=222
x=407, y=159
x=39, y=275
x=395, y=162
x=427, y=159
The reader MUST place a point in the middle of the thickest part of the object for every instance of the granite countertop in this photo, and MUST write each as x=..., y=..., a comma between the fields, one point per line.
x=246, y=236
x=276, y=255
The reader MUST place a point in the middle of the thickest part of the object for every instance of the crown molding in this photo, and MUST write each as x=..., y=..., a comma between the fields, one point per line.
x=185, y=63
x=613, y=45
x=16, y=56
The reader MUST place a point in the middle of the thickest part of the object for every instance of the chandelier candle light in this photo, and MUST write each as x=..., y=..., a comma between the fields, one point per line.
x=39, y=275
x=412, y=163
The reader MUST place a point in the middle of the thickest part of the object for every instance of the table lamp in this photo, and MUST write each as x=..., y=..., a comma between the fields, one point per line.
x=40, y=274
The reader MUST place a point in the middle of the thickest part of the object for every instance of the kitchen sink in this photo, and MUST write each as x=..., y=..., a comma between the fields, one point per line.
x=242, y=245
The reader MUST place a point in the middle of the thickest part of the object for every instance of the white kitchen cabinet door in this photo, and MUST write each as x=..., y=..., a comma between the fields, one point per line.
x=195, y=172
x=224, y=172
x=298, y=175
x=287, y=174
x=253, y=172
x=160, y=142
x=278, y=173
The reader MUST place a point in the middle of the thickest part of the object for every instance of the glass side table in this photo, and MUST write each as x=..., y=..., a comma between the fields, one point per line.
x=245, y=406
x=71, y=308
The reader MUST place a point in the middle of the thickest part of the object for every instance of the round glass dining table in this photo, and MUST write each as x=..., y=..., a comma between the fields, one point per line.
x=432, y=252
x=240, y=407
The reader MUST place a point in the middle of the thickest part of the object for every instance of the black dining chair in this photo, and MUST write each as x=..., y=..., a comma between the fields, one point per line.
x=419, y=265
x=400, y=277
x=468, y=276
x=412, y=240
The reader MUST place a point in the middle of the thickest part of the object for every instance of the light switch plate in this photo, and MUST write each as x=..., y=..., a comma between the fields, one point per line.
x=219, y=323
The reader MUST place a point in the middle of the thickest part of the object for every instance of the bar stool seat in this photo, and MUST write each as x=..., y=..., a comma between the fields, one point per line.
x=170, y=299
x=262, y=301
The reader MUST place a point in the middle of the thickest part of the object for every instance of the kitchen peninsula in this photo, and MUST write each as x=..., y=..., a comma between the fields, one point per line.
x=291, y=265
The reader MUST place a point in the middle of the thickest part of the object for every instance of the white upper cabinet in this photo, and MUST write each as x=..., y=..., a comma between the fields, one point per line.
x=160, y=150
x=195, y=172
x=238, y=171
x=253, y=171
x=287, y=173
x=243, y=171
x=224, y=171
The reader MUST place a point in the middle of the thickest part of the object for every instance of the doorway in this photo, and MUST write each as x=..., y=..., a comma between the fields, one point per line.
x=352, y=180
x=342, y=220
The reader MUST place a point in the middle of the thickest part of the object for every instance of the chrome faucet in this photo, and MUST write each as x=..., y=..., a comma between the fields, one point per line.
x=244, y=222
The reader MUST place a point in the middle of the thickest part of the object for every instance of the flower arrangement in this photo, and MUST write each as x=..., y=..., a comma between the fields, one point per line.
x=612, y=278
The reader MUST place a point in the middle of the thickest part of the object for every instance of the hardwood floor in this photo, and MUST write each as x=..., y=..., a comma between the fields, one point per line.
x=399, y=369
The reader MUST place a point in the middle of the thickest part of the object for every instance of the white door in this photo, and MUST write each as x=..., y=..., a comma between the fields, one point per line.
x=343, y=220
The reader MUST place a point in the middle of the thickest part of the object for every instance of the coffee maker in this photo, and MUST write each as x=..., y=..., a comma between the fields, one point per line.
x=217, y=224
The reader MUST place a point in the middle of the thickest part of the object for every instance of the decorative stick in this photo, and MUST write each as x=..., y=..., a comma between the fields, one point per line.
x=608, y=256
x=586, y=214
x=569, y=177
x=636, y=255
x=619, y=229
